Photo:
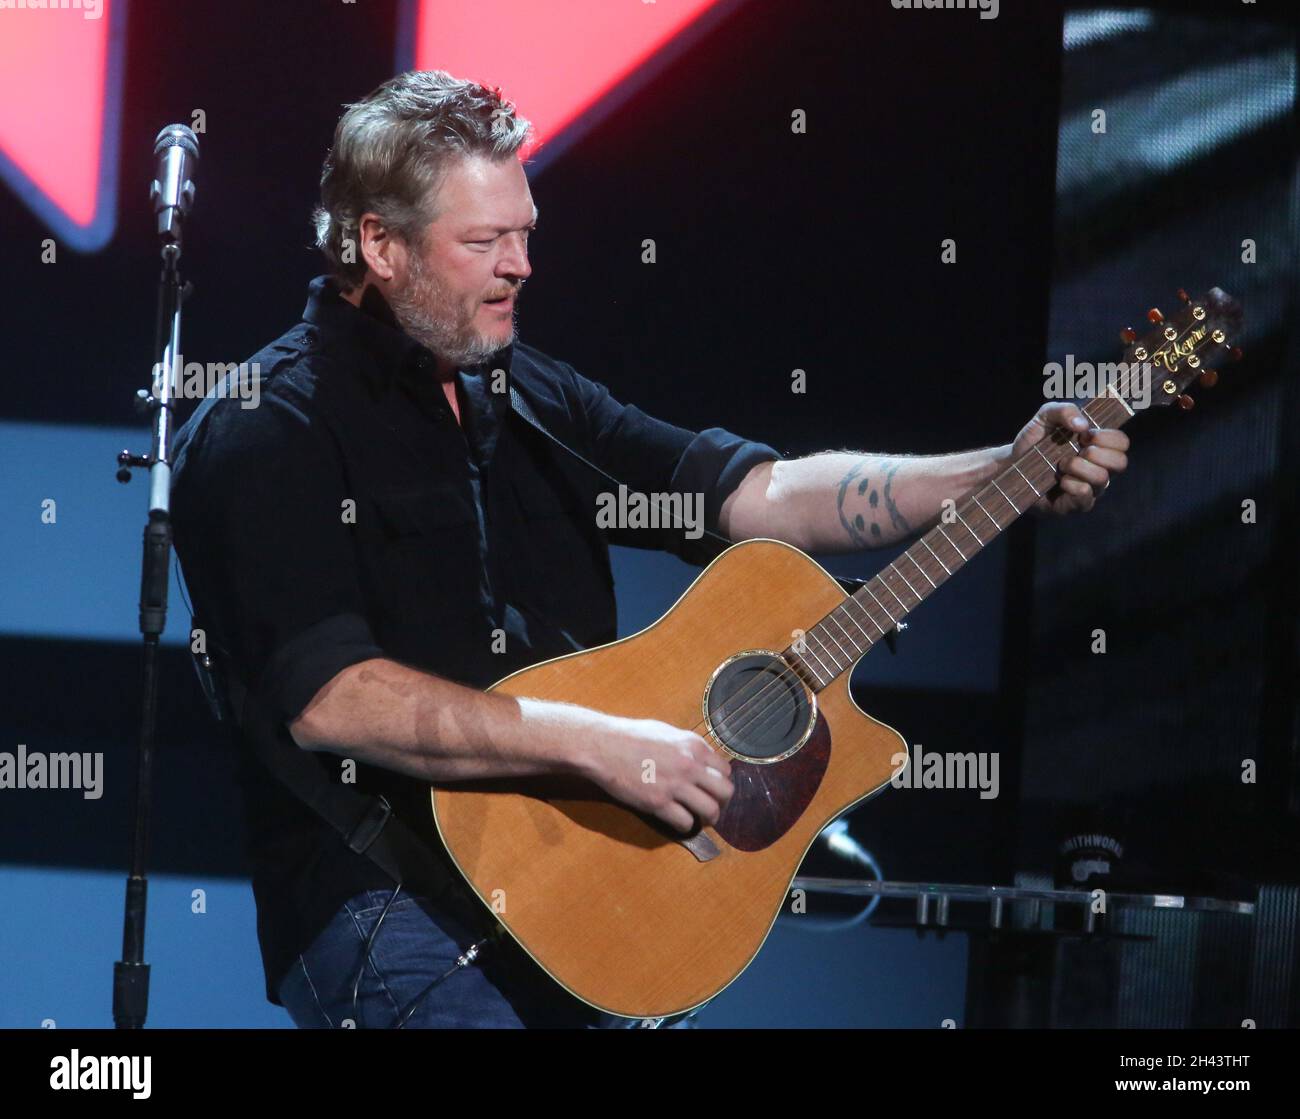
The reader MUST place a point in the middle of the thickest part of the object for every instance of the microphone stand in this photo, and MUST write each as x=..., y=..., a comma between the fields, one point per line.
x=131, y=973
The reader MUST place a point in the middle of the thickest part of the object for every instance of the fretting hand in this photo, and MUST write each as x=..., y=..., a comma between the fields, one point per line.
x=1081, y=478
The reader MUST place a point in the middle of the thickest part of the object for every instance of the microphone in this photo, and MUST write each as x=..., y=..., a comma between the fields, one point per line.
x=172, y=192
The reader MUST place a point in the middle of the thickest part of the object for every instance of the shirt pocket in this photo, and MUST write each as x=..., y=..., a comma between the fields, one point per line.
x=415, y=514
x=569, y=554
x=428, y=563
x=539, y=497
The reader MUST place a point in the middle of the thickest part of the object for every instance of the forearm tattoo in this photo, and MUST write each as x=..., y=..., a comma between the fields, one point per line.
x=860, y=501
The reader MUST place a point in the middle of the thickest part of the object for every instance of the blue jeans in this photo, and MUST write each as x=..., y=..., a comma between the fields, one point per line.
x=415, y=946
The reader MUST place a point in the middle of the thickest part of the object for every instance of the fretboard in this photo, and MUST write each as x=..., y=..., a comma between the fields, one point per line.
x=835, y=643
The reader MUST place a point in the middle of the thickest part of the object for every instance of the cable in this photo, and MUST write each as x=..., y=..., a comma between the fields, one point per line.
x=466, y=958
x=463, y=960
x=370, y=942
x=838, y=840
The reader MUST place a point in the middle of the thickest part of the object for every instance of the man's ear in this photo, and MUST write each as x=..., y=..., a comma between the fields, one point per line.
x=384, y=254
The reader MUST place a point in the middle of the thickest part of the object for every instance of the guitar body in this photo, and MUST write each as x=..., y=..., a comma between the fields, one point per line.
x=613, y=905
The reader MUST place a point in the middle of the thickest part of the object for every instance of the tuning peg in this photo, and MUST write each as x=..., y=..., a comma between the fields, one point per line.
x=1186, y=403
x=1128, y=336
x=1182, y=294
x=1209, y=378
x=1155, y=315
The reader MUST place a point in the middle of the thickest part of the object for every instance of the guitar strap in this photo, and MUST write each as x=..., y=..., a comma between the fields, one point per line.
x=365, y=822
x=525, y=411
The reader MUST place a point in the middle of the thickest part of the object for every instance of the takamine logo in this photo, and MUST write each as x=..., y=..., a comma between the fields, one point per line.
x=1179, y=348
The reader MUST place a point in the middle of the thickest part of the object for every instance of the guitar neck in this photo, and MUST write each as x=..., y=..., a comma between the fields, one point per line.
x=834, y=644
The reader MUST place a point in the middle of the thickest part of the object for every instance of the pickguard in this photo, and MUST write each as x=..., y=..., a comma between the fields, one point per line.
x=770, y=799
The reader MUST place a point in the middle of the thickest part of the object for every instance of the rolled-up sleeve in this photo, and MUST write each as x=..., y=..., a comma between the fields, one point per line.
x=714, y=463
x=653, y=456
x=309, y=660
x=258, y=507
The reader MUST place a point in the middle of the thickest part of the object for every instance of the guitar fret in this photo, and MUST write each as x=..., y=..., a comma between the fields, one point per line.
x=837, y=640
x=813, y=651
x=885, y=583
x=921, y=569
x=904, y=578
x=1110, y=394
x=1027, y=479
x=867, y=587
x=867, y=614
x=933, y=553
x=1047, y=460
x=987, y=514
x=968, y=528
x=830, y=653
x=1004, y=496
x=870, y=640
x=844, y=631
x=817, y=679
x=954, y=546
x=801, y=667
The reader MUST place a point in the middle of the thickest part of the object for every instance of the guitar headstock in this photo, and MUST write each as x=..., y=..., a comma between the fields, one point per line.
x=1188, y=346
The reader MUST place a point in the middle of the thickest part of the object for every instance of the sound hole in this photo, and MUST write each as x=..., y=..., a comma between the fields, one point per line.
x=758, y=708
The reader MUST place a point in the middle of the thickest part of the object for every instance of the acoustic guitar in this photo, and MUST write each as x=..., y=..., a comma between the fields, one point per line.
x=755, y=657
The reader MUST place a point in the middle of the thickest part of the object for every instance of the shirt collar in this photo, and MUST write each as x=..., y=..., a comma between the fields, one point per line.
x=394, y=352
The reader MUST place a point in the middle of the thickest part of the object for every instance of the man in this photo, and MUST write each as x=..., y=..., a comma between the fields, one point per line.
x=382, y=538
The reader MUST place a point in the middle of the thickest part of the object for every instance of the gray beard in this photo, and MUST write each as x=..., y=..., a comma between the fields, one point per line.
x=428, y=315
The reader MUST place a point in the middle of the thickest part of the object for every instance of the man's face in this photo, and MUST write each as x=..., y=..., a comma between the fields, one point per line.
x=472, y=256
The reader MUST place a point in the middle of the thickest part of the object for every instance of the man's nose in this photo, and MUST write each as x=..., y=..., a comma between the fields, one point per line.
x=514, y=262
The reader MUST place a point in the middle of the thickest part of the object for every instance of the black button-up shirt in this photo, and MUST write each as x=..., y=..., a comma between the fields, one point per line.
x=349, y=516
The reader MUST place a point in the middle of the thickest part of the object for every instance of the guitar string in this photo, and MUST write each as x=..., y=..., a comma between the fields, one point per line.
x=782, y=676
x=771, y=710
x=768, y=711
